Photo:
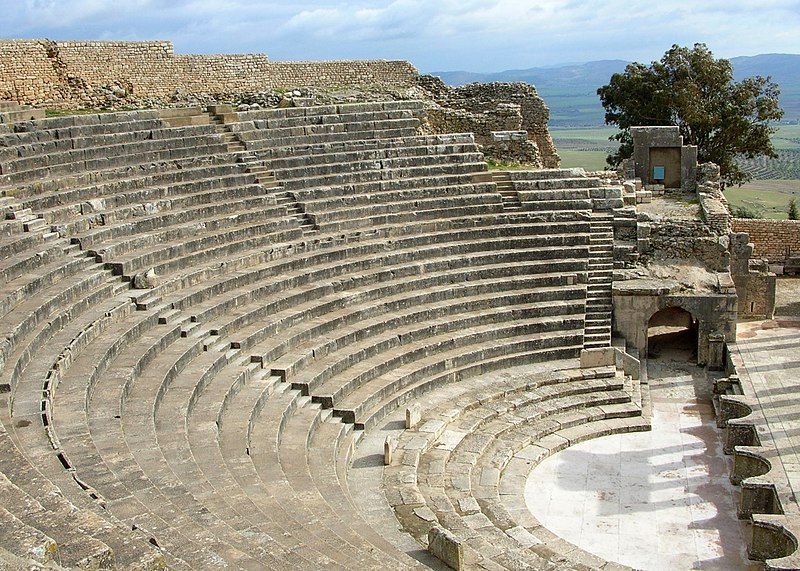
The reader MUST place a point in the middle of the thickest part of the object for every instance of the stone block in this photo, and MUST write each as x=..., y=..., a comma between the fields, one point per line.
x=388, y=449
x=413, y=415
x=600, y=357
x=145, y=280
x=446, y=547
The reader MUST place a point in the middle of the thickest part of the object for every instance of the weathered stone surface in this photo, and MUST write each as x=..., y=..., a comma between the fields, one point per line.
x=145, y=280
x=491, y=107
x=413, y=415
x=446, y=547
x=593, y=358
x=130, y=73
x=388, y=450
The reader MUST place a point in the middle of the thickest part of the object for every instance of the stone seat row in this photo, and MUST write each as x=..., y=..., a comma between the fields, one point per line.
x=277, y=147
x=90, y=119
x=43, y=193
x=36, y=138
x=336, y=257
x=308, y=130
x=105, y=159
x=131, y=199
x=260, y=338
x=368, y=259
x=291, y=126
x=363, y=123
x=34, y=312
x=26, y=157
x=44, y=308
x=78, y=537
x=313, y=112
x=465, y=463
x=128, y=397
x=446, y=156
x=166, y=248
x=306, y=153
x=371, y=172
x=12, y=112
x=376, y=149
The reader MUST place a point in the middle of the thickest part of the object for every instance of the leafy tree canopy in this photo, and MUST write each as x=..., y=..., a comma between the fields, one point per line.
x=693, y=90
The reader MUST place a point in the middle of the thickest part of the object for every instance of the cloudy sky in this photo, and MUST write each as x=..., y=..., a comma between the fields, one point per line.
x=474, y=35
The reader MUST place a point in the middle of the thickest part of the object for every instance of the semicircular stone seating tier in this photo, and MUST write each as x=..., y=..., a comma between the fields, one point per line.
x=303, y=282
x=465, y=464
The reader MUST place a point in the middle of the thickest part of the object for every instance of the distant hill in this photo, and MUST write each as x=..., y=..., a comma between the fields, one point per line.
x=571, y=90
x=785, y=71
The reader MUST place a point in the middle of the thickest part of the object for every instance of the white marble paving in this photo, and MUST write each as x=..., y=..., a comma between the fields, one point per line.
x=652, y=500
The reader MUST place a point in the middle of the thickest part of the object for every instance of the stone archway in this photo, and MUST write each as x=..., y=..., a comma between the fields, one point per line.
x=672, y=326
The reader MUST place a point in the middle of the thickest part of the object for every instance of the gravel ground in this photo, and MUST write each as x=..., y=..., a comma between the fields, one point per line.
x=672, y=206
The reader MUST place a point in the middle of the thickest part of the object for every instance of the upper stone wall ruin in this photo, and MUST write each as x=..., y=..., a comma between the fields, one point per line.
x=63, y=74
x=774, y=240
x=482, y=108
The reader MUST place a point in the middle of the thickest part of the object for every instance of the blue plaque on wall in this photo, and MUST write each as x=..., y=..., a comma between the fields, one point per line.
x=658, y=173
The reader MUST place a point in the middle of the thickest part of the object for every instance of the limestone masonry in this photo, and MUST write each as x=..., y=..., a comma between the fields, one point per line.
x=774, y=240
x=313, y=330
x=44, y=72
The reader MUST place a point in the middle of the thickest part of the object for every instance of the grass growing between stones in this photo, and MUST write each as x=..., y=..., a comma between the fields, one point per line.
x=502, y=165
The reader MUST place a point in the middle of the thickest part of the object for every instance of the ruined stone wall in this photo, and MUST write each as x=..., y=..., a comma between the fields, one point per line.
x=755, y=285
x=286, y=74
x=713, y=203
x=691, y=240
x=221, y=73
x=27, y=74
x=773, y=239
x=482, y=97
x=488, y=106
x=43, y=72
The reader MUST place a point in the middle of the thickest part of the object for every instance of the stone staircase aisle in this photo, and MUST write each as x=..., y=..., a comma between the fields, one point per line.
x=505, y=187
x=220, y=116
x=598, y=297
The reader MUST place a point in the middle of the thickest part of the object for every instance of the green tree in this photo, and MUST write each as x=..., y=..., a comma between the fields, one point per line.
x=793, y=214
x=693, y=90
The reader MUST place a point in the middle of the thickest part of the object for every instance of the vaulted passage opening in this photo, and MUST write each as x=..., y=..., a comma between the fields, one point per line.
x=672, y=328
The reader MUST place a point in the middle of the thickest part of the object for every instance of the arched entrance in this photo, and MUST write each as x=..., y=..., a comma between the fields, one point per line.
x=672, y=328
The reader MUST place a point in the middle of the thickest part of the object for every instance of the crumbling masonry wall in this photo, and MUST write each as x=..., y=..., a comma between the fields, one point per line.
x=485, y=107
x=773, y=239
x=688, y=240
x=482, y=97
x=60, y=74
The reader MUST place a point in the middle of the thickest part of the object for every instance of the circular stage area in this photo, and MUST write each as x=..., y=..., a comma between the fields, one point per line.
x=666, y=491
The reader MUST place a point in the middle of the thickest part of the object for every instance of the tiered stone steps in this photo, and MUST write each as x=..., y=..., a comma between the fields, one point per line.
x=554, y=190
x=273, y=130
x=598, y=291
x=465, y=465
x=505, y=187
x=12, y=112
x=342, y=182
x=207, y=422
x=631, y=237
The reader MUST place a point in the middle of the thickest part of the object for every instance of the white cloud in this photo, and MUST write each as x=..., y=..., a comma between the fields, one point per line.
x=445, y=34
